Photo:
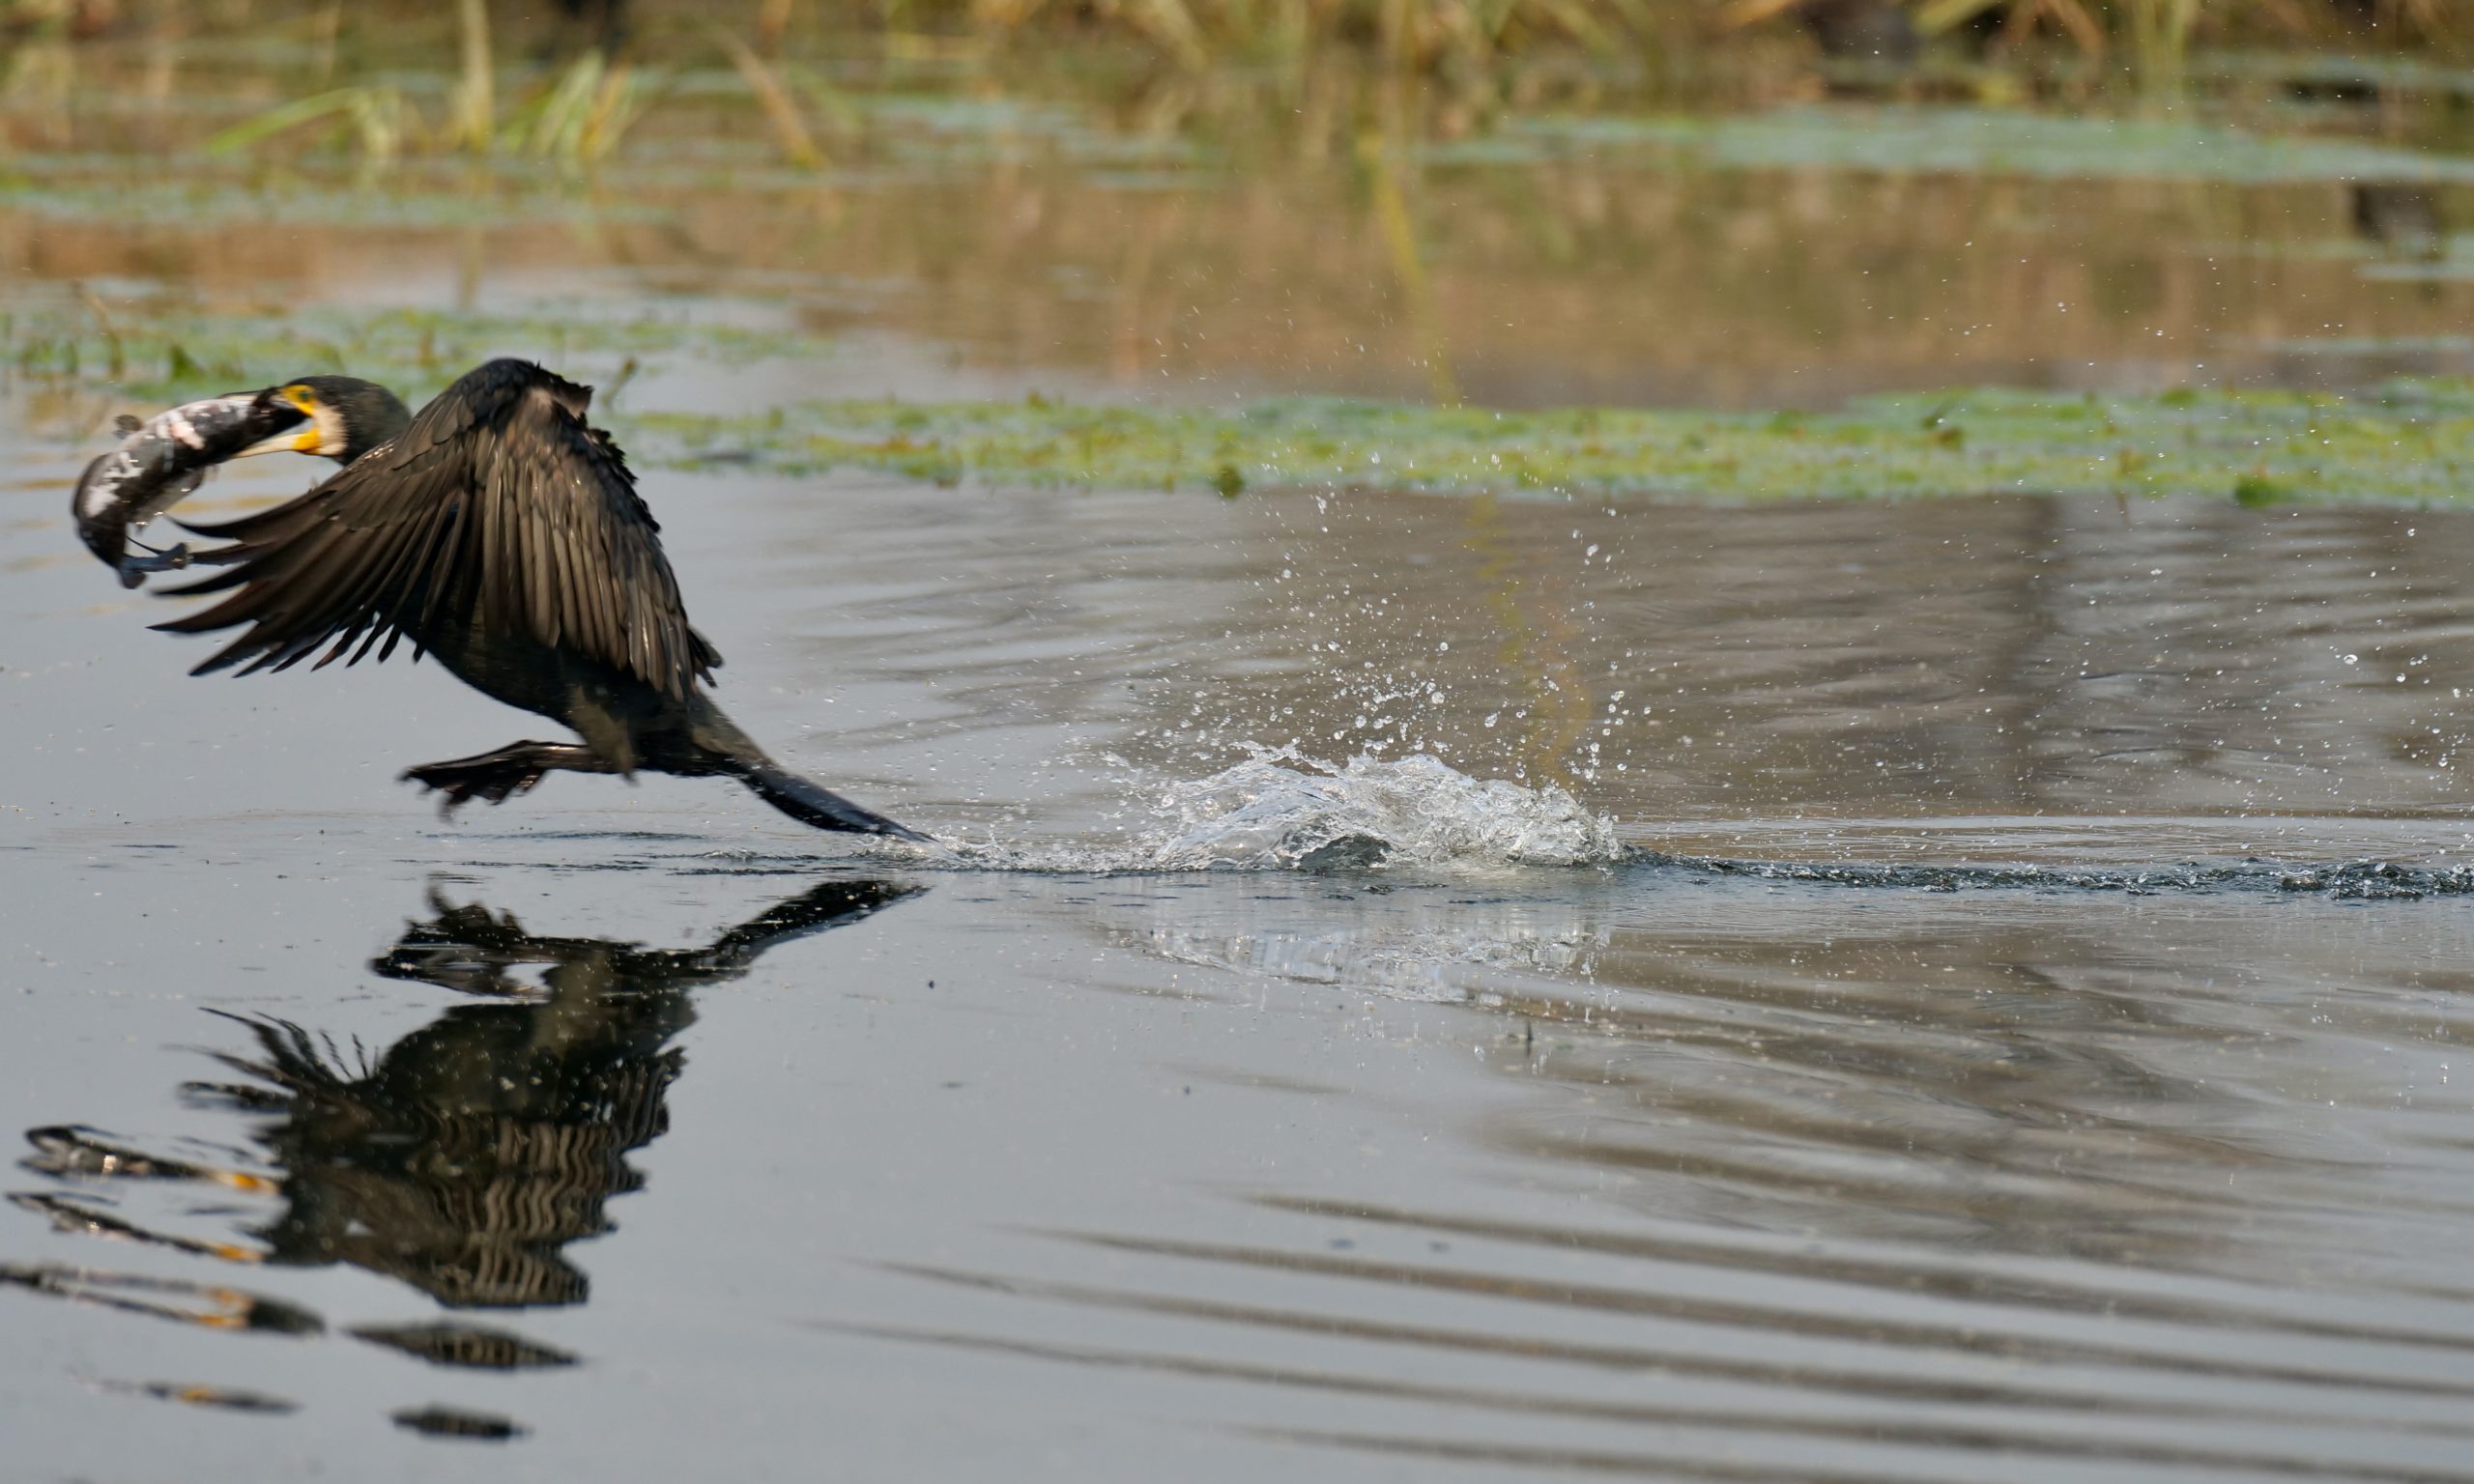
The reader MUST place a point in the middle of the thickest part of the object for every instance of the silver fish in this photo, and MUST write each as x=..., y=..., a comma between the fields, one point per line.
x=158, y=464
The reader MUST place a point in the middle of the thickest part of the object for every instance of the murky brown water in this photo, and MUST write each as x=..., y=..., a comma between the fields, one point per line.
x=669, y=1140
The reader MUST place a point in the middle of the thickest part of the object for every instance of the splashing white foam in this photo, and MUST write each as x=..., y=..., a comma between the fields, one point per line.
x=1283, y=810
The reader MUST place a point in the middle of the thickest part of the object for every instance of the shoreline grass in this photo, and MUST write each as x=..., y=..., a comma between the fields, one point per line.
x=1307, y=76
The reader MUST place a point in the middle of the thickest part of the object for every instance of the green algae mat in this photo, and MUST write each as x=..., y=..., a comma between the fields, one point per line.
x=2411, y=442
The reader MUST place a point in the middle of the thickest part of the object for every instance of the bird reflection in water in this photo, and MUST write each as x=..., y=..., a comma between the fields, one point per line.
x=465, y=1156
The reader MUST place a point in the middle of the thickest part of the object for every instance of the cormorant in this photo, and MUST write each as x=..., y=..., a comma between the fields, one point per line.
x=499, y=532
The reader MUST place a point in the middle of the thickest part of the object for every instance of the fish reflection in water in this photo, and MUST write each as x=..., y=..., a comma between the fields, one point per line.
x=462, y=1158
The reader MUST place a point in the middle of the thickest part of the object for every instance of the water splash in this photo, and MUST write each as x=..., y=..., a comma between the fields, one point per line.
x=1280, y=809
x=1283, y=810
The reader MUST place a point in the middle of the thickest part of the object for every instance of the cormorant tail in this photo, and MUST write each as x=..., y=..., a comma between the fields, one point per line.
x=813, y=804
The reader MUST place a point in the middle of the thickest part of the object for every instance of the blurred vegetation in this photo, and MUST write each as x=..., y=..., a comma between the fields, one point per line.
x=917, y=141
x=568, y=82
x=1415, y=35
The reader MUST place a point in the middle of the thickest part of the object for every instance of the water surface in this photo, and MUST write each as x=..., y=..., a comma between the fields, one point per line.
x=746, y=1149
x=2006, y=1031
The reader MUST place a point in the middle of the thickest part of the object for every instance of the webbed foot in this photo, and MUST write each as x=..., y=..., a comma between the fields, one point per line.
x=492, y=777
x=499, y=776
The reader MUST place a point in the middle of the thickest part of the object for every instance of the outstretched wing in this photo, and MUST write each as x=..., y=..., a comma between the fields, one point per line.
x=500, y=506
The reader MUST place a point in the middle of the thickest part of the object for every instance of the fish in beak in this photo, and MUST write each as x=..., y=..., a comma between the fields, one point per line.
x=294, y=422
x=162, y=460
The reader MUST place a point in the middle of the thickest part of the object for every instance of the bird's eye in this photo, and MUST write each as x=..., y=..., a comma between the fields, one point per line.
x=301, y=397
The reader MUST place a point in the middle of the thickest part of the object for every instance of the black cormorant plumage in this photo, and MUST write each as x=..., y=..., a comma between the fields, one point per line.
x=499, y=532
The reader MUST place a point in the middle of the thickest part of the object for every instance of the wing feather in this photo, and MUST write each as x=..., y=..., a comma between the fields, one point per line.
x=499, y=507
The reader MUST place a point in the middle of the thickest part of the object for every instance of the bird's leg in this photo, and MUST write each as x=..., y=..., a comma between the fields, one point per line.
x=502, y=775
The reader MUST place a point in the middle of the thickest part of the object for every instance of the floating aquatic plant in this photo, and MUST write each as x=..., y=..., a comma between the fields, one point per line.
x=153, y=355
x=1966, y=141
x=2413, y=441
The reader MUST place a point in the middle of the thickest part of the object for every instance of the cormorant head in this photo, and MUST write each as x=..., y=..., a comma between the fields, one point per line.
x=341, y=418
